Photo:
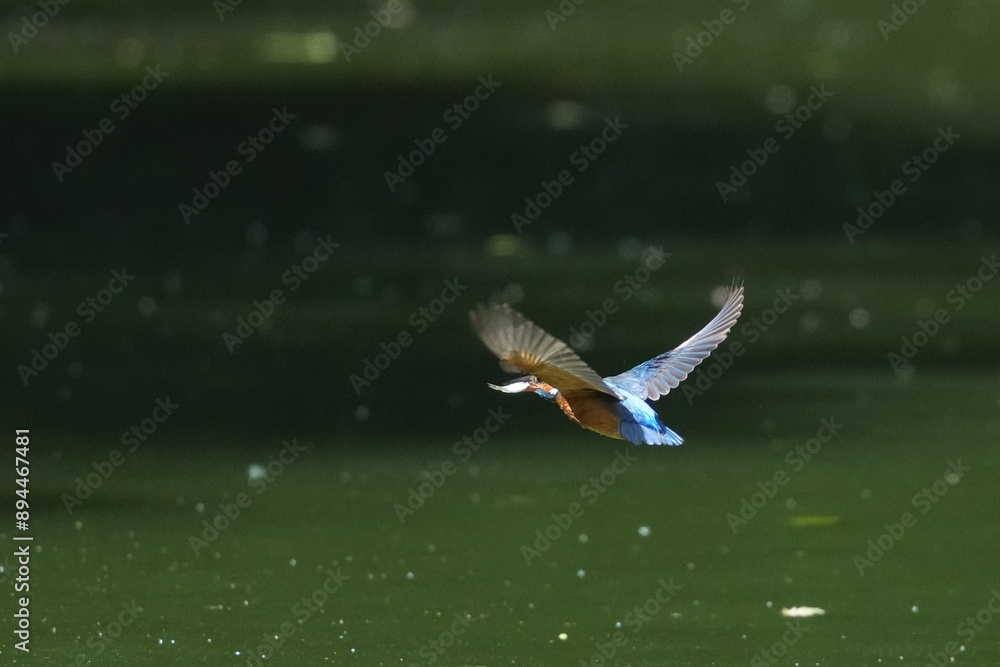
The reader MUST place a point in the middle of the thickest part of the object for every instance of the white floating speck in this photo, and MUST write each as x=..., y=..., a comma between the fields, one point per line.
x=410, y=575
x=914, y=609
x=256, y=472
x=563, y=636
x=583, y=538
x=581, y=573
x=859, y=318
x=644, y=531
x=147, y=306
x=802, y=612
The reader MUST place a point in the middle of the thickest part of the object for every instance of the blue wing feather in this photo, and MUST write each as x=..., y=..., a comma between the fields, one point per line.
x=656, y=377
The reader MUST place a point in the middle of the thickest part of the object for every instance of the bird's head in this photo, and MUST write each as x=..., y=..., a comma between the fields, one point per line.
x=525, y=383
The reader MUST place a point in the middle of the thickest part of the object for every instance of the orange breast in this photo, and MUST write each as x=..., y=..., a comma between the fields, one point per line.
x=591, y=409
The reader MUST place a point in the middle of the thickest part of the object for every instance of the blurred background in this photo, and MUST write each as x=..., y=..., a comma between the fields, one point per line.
x=276, y=217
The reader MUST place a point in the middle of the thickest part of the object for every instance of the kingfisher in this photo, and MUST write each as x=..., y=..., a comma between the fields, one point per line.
x=614, y=406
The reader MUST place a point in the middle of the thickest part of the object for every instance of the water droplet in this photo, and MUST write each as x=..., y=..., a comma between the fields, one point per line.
x=859, y=318
x=147, y=306
x=255, y=473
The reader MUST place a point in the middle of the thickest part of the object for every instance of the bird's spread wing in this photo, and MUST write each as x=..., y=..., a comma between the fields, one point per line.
x=659, y=375
x=519, y=342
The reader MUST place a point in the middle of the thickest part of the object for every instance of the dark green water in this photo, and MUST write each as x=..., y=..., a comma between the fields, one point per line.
x=658, y=520
x=332, y=510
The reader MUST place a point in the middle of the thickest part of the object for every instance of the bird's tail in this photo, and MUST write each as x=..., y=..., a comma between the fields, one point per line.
x=649, y=434
x=668, y=437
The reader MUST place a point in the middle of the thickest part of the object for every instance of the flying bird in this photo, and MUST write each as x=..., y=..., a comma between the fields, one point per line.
x=614, y=406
